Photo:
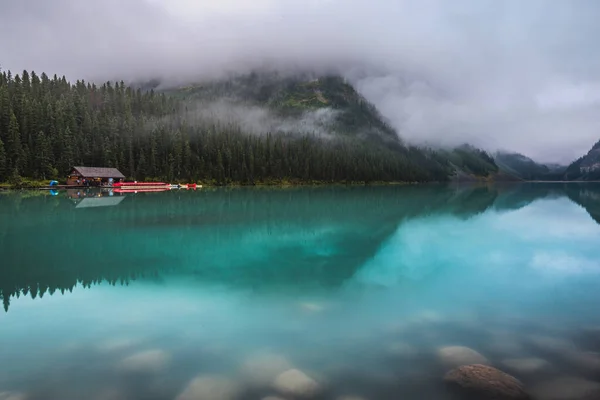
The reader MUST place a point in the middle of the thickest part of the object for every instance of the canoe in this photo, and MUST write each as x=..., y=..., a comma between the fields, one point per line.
x=138, y=184
x=138, y=190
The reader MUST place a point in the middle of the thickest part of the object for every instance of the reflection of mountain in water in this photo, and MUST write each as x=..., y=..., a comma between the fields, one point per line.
x=587, y=196
x=243, y=237
x=512, y=197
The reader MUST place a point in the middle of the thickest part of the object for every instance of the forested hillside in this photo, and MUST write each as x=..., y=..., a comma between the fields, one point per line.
x=471, y=160
x=48, y=125
x=296, y=99
x=523, y=167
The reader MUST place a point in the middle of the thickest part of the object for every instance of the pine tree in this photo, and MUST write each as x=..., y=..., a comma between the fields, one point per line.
x=67, y=153
x=14, y=149
x=42, y=157
x=170, y=167
x=2, y=162
x=142, y=168
x=152, y=167
x=4, y=112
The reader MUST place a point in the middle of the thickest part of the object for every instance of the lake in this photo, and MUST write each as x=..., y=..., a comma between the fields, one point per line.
x=369, y=292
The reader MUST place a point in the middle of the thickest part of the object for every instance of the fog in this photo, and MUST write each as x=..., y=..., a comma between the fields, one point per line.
x=259, y=120
x=511, y=74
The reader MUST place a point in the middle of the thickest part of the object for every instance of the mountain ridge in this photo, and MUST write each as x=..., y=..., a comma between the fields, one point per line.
x=301, y=95
x=305, y=128
x=587, y=167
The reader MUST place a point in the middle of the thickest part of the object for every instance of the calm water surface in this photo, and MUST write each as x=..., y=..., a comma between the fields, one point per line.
x=132, y=297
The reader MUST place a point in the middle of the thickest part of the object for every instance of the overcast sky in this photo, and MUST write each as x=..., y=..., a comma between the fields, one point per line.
x=513, y=74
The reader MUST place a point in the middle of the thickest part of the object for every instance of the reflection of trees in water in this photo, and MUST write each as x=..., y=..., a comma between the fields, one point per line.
x=243, y=237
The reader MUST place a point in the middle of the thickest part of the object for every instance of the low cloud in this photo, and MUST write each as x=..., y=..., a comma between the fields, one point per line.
x=514, y=75
x=260, y=120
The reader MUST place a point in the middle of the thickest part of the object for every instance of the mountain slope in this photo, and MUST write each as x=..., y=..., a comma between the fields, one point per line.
x=326, y=106
x=468, y=163
x=299, y=98
x=586, y=168
x=473, y=160
x=520, y=166
x=315, y=115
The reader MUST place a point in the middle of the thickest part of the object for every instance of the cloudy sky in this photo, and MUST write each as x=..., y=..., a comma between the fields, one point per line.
x=516, y=75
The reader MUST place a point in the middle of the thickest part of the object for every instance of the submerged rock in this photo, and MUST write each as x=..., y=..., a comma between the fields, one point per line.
x=588, y=362
x=589, y=338
x=505, y=343
x=567, y=388
x=262, y=368
x=401, y=349
x=551, y=344
x=117, y=344
x=455, y=356
x=351, y=398
x=109, y=394
x=485, y=382
x=396, y=328
x=150, y=361
x=12, y=396
x=526, y=365
x=426, y=317
x=210, y=387
x=296, y=383
x=311, y=307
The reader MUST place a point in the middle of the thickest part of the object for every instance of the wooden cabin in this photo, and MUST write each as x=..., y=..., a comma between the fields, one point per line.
x=94, y=176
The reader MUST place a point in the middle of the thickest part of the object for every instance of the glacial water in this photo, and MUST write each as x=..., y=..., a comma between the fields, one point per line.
x=110, y=297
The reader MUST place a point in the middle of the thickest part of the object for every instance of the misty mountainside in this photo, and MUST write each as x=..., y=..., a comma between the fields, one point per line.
x=468, y=161
x=48, y=125
x=521, y=166
x=586, y=168
x=301, y=103
x=249, y=130
x=327, y=107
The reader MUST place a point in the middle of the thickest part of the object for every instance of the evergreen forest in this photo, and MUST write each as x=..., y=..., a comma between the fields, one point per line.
x=48, y=125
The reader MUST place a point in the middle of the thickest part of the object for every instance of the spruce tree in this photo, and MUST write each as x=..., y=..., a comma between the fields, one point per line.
x=42, y=157
x=5, y=112
x=142, y=168
x=2, y=162
x=14, y=148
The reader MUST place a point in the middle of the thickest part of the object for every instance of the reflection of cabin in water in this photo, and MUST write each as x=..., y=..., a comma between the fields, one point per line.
x=93, y=176
x=86, y=198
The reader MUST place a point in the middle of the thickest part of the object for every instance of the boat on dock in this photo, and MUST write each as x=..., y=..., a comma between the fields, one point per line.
x=141, y=185
x=134, y=187
x=138, y=190
x=184, y=186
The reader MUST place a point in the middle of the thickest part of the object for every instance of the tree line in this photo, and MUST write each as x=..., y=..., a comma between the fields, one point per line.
x=48, y=125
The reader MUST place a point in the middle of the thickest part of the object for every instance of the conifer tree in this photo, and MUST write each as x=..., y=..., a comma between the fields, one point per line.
x=4, y=112
x=14, y=148
x=2, y=162
x=42, y=157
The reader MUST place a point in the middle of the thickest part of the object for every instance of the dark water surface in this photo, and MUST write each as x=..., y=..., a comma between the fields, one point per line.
x=361, y=289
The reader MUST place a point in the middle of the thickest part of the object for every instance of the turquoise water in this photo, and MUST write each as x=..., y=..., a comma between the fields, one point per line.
x=131, y=297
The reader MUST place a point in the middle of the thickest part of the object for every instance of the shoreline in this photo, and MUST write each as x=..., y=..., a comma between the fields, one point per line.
x=7, y=187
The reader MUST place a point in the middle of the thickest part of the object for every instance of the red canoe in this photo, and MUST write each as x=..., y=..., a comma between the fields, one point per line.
x=149, y=184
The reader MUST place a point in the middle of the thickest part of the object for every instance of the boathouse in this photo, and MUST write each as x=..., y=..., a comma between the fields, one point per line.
x=93, y=176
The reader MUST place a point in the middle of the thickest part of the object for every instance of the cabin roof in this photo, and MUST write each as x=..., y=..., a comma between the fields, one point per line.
x=99, y=172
